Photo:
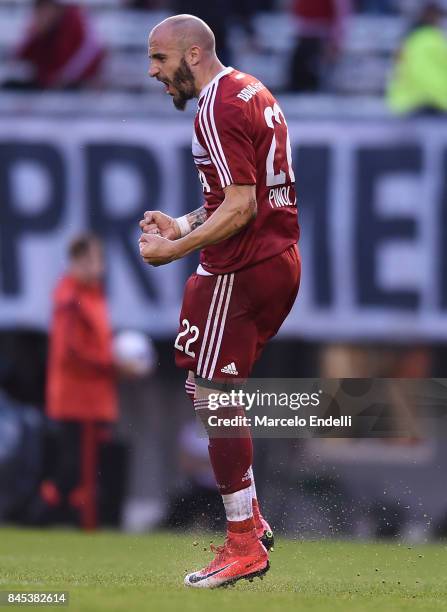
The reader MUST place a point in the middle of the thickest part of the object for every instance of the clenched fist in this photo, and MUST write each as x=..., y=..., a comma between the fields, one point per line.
x=156, y=250
x=156, y=222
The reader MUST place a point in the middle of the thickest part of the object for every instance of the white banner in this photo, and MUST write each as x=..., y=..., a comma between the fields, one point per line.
x=373, y=213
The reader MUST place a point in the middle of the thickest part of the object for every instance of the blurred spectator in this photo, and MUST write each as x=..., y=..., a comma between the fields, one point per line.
x=81, y=373
x=81, y=384
x=320, y=28
x=60, y=47
x=419, y=80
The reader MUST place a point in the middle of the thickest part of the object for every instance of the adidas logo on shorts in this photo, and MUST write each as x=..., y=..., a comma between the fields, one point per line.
x=230, y=369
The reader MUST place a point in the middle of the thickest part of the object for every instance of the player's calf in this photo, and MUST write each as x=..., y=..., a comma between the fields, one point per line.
x=231, y=455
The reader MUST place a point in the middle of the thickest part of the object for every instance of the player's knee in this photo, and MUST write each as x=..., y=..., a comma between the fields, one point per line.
x=221, y=418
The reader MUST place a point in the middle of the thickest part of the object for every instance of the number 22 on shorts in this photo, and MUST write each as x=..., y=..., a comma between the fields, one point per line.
x=189, y=329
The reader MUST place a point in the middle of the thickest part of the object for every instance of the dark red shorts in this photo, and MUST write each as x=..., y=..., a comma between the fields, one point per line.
x=226, y=319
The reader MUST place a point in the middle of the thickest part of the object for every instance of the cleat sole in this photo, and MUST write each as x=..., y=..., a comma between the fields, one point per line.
x=250, y=577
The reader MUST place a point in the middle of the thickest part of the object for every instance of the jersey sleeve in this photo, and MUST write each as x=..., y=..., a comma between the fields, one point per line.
x=227, y=138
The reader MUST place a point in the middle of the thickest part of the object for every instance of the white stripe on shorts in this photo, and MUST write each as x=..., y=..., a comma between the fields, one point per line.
x=208, y=322
x=222, y=326
x=215, y=325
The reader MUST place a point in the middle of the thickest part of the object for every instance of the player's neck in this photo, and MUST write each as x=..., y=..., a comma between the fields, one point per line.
x=208, y=74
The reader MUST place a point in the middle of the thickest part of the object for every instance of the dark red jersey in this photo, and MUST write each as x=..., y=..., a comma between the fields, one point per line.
x=241, y=137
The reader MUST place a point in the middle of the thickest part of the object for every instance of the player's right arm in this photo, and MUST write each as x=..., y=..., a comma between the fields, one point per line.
x=238, y=208
x=156, y=222
x=236, y=166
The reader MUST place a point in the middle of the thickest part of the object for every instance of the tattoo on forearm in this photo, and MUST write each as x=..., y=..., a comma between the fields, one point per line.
x=197, y=217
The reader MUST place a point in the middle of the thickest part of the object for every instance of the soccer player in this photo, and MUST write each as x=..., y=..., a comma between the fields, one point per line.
x=249, y=271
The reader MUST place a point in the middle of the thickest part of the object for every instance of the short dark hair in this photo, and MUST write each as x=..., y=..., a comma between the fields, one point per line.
x=81, y=245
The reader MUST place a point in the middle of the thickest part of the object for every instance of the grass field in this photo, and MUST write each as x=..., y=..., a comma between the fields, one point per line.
x=111, y=571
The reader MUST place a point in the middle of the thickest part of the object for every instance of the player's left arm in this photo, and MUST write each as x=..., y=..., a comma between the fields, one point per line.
x=197, y=217
x=237, y=209
x=157, y=222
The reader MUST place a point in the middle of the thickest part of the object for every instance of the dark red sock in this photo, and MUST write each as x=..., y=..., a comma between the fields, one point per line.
x=230, y=450
x=230, y=459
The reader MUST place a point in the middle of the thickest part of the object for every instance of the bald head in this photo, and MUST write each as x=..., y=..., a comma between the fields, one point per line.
x=183, y=57
x=184, y=32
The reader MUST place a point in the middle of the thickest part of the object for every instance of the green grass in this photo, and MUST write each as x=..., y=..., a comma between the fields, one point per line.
x=111, y=571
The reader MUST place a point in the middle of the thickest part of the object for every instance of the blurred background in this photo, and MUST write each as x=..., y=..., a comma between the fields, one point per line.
x=88, y=142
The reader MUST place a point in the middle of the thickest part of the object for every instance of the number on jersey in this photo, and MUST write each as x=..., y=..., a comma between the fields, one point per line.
x=272, y=117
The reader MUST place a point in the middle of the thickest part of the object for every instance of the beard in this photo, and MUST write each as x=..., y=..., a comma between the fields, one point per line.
x=183, y=81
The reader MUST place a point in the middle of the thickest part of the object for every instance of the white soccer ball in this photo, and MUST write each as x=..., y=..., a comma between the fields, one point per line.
x=136, y=349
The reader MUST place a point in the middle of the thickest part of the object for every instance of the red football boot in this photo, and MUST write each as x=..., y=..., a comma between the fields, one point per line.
x=241, y=556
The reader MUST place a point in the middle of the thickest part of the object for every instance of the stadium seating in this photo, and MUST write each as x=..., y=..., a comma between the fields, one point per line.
x=362, y=69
